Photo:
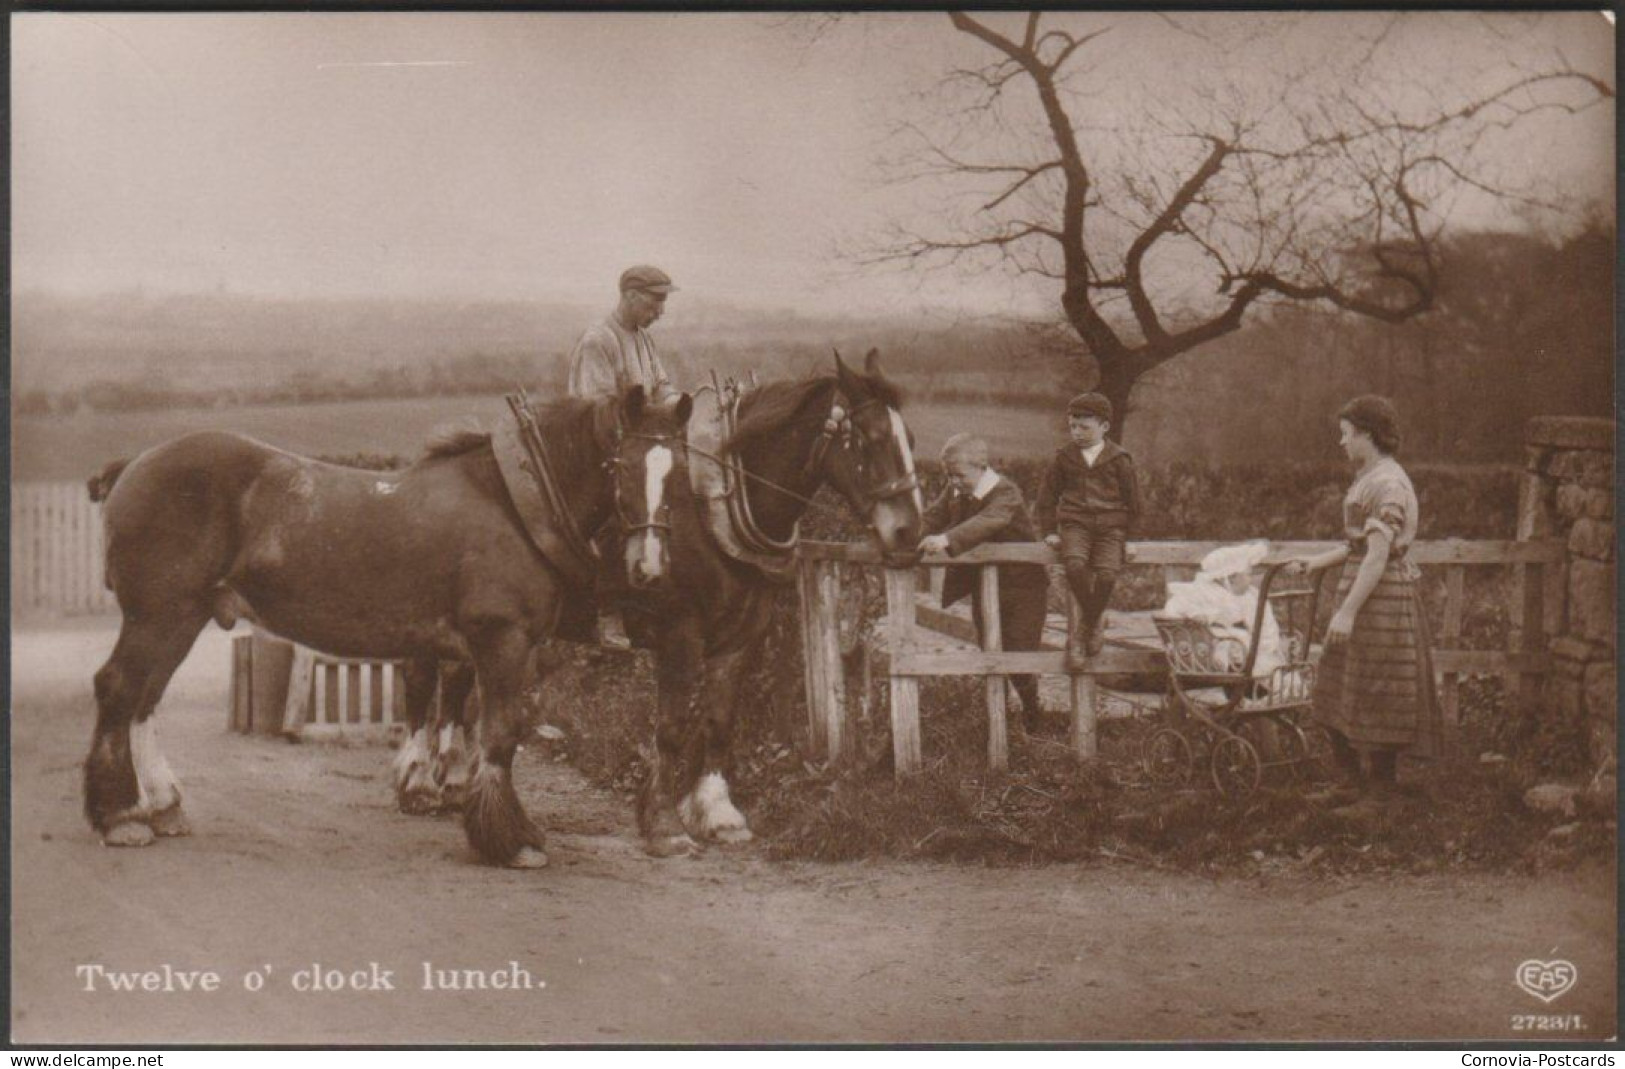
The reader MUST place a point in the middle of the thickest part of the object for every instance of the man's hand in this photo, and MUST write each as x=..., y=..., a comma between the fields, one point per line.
x=936, y=543
x=1053, y=541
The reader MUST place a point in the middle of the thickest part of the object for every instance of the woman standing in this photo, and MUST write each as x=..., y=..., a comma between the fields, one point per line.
x=1374, y=691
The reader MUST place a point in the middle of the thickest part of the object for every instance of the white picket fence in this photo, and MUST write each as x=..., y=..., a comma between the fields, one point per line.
x=56, y=551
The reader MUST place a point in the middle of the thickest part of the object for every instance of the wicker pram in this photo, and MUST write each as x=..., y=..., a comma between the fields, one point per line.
x=1216, y=711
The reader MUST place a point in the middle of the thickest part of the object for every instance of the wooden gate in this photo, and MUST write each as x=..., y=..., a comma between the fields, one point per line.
x=56, y=550
x=916, y=651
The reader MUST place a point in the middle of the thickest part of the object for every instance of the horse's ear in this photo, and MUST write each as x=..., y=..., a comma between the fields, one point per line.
x=851, y=385
x=685, y=409
x=871, y=364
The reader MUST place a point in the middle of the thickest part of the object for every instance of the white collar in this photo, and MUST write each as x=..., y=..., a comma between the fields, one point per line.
x=985, y=484
x=1092, y=454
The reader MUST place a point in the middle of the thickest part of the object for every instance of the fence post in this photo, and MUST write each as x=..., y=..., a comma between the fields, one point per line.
x=828, y=651
x=998, y=744
x=817, y=685
x=1081, y=690
x=1455, y=577
x=905, y=690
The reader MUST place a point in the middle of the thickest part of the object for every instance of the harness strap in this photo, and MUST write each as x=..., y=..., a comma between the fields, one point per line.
x=744, y=522
x=530, y=436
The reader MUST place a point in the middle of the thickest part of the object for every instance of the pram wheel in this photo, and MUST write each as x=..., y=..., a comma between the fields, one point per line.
x=1167, y=758
x=1235, y=766
x=1311, y=750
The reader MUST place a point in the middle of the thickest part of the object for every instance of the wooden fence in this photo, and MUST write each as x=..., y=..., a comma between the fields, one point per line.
x=56, y=550
x=1534, y=604
x=278, y=688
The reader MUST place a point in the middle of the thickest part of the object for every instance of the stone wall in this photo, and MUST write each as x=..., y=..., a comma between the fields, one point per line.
x=1568, y=493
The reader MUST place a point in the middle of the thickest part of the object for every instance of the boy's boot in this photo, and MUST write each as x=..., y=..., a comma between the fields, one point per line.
x=1032, y=714
x=1100, y=596
x=1077, y=644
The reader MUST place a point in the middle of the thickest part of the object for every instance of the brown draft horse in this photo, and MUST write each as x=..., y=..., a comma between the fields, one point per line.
x=710, y=620
x=426, y=564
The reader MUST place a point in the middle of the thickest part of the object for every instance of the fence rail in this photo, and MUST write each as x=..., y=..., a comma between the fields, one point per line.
x=56, y=550
x=916, y=651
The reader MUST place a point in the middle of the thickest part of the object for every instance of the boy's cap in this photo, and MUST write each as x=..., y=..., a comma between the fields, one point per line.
x=1090, y=404
x=1234, y=560
x=647, y=279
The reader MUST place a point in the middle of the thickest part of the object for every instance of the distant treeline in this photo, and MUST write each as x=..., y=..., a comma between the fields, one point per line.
x=1523, y=326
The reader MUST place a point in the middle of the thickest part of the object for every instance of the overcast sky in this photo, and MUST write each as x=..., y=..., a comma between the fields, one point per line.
x=535, y=155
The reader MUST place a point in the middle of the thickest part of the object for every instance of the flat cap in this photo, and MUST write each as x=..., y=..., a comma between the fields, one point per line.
x=646, y=278
x=1090, y=404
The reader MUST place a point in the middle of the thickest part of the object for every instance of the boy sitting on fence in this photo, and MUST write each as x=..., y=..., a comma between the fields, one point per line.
x=1089, y=497
x=980, y=505
x=1223, y=596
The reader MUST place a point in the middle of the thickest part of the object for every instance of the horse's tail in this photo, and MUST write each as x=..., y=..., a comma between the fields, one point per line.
x=101, y=484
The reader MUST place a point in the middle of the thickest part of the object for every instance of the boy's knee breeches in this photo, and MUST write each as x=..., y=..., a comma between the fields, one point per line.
x=1088, y=552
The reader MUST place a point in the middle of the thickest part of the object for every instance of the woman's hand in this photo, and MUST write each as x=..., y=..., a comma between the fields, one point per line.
x=937, y=543
x=1340, y=628
x=1295, y=568
x=1053, y=541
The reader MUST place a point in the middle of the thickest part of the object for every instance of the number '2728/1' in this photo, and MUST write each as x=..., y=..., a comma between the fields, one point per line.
x=1541, y=1022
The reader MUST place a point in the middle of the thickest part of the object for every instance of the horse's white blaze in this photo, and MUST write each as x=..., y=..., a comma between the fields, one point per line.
x=656, y=466
x=708, y=808
x=155, y=783
x=899, y=433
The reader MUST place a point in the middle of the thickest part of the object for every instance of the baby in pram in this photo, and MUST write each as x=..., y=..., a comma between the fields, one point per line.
x=1223, y=596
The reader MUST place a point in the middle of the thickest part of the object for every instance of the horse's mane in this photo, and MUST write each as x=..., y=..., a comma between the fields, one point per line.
x=571, y=415
x=453, y=441
x=769, y=408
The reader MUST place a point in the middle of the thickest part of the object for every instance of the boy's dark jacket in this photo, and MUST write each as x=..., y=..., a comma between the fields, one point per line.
x=1000, y=516
x=1073, y=492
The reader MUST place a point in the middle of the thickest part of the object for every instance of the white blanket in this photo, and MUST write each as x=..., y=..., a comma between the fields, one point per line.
x=1228, y=615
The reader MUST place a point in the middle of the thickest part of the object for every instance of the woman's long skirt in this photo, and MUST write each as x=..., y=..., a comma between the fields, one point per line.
x=1377, y=688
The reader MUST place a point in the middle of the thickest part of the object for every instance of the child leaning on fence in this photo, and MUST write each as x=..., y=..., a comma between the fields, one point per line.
x=1087, y=500
x=979, y=506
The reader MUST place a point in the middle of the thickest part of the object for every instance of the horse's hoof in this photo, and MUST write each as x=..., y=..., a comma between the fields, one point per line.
x=129, y=833
x=670, y=846
x=170, y=822
x=451, y=799
x=418, y=802
x=733, y=836
x=528, y=858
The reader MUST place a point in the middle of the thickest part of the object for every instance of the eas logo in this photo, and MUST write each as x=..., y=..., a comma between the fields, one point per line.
x=1546, y=980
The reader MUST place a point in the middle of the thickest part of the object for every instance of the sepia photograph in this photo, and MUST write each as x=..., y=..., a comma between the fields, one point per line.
x=611, y=528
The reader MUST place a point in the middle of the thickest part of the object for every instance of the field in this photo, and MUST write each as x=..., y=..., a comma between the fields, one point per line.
x=74, y=447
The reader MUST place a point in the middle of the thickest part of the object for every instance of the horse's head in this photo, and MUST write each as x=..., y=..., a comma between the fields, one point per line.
x=873, y=465
x=647, y=443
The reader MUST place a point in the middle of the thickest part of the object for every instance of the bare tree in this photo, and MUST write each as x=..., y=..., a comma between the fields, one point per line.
x=1161, y=233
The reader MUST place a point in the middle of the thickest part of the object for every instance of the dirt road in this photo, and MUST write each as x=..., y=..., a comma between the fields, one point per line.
x=300, y=860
